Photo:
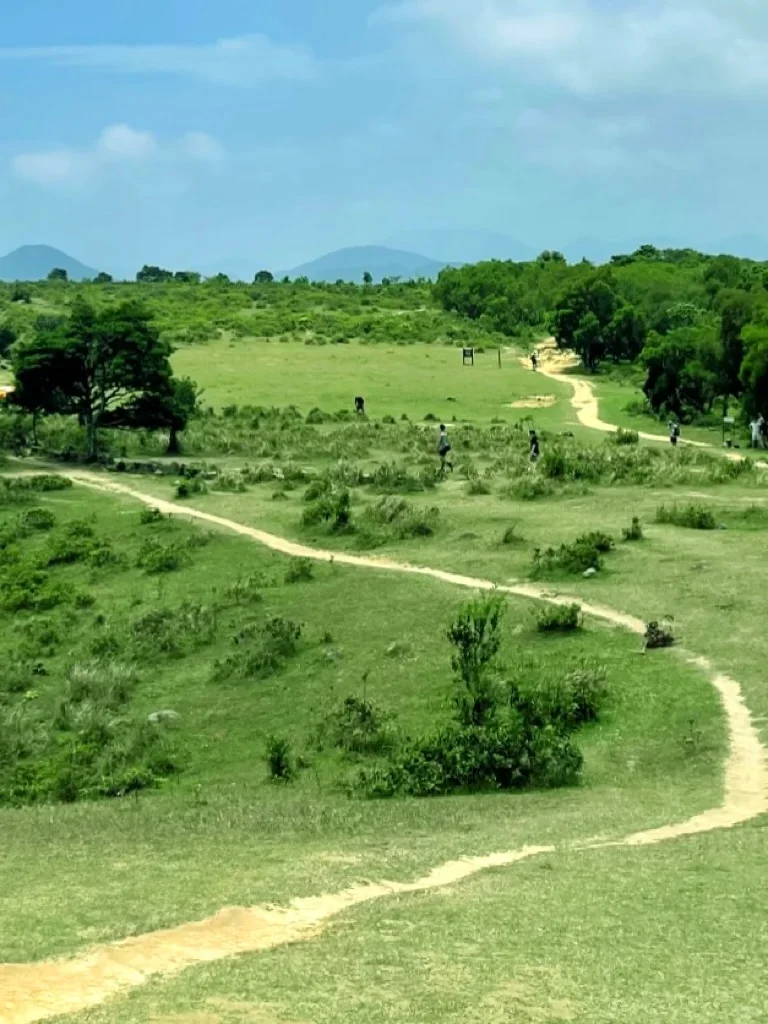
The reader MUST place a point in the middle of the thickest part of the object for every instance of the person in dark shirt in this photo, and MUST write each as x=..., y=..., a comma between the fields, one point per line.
x=444, y=449
x=533, y=441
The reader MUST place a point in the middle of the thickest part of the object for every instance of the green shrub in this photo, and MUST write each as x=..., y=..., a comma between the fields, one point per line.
x=155, y=557
x=301, y=570
x=38, y=519
x=626, y=437
x=578, y=557
x=358, y=726
x=559, y=619
x=280, y=762
x=658, y=635
x=264, y=649
x=692, y=517
x=634, y=531
x=24, y=588
x=150, y=515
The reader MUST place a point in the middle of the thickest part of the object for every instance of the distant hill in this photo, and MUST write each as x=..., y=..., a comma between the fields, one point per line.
x=35, y=262
x=378, y=260
x=464, y=245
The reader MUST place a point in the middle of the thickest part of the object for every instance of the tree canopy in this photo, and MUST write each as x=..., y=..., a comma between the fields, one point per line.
x=95, y=365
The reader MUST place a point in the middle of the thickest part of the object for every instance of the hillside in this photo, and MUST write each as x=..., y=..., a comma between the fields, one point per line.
x=379, y=261
x=35, y=262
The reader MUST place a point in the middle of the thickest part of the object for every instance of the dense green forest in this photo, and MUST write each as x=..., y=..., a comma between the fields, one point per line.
x=696, y=325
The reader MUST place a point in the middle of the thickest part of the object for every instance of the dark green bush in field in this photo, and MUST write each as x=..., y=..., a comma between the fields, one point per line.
x=634, y=531
x=156, y=557
x=393, y=518
x=579, y=556
x=263, y=649
x=505, y=736
x=280, y=761
x=24, y=588
x=37, y=519
x=150, y=515
x=626, y=437
x=559, y=619
x=333, y=508
x=301, y=570
x=692, y=517
x=91, y=746
x=357, y=726
x=511, y=536
x=658, y=635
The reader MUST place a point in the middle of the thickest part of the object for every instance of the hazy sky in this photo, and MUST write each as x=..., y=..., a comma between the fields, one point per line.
x=189, y=131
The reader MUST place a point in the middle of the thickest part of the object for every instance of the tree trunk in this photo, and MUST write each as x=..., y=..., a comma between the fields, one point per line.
x=174, y=448
x=93, y=443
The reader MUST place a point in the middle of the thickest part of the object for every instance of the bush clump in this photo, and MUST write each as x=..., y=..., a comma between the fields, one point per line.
x=301, y=570
x=38, y=519
x=559, y=619
x=691, y=517
x=503, y=736
x=280, y=762
x=577, y=557
x=357, y=727
x=658, y=635
x=264, y=648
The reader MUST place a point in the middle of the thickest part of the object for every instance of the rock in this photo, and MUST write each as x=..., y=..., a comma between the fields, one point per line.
x=334, y=654
x=398, y=649
x=163, y=716
x=590, y=573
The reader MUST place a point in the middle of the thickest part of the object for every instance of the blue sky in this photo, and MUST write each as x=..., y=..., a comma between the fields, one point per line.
x=189, y=132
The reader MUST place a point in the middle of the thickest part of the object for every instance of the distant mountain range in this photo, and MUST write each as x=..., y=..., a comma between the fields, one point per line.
x=35, y=262
x=377, y=260
x=402, y=257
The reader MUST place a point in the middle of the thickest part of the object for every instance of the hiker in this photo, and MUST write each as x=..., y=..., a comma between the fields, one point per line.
x=535, y=361
x=360, y=405
x=674, y=432
x=533, y=442
x=444, y=449
x=757, y=427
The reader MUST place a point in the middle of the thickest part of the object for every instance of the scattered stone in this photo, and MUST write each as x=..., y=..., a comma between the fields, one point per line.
x=333, y=654
x=163, y=716
x=590, y=573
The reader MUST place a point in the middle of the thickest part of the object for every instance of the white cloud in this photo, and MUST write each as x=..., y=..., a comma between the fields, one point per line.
x=242, y=61
x=590, y=46
x=118, y=145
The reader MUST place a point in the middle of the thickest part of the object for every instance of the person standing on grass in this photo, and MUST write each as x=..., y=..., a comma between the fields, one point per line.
x=757, y=428
x=533, y=442
x=674, y=432
x=444, y=449
x=535, y=361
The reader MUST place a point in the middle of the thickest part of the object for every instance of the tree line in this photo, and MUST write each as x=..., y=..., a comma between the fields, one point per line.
x=696, y=325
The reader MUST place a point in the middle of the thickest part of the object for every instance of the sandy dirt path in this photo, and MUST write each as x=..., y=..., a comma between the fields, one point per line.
x=38, y=991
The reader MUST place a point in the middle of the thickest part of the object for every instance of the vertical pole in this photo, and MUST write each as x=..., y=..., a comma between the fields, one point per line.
x=499, y=357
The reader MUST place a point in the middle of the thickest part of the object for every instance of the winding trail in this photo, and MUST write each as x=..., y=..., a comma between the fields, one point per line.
x=37, y=991
x=554, y=364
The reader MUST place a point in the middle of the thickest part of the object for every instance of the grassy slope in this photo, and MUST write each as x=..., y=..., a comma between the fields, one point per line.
x=221, y=834
x=393, y=379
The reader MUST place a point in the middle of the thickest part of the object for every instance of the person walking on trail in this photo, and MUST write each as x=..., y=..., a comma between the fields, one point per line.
x=674, y=432
x=757, y=428
x=533, y=442
x=444, y=449
x=535, y=361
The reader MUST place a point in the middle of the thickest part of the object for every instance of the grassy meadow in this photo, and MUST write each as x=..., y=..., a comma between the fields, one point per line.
x=113, y=825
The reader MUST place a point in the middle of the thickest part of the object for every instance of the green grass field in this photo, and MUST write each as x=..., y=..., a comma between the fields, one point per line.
x=668, y=933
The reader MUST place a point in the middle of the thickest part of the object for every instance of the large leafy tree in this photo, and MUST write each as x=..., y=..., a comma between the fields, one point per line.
x=625, y=335
x=754, y=370
x=93, y=365
x=736, y=308
x=168, y=409
x=682, y=371
x=582, y=316
x=153, y=275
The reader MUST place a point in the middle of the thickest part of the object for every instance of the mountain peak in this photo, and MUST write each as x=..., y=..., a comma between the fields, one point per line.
x=35, y=262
